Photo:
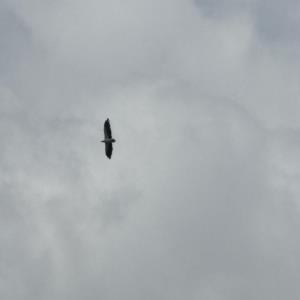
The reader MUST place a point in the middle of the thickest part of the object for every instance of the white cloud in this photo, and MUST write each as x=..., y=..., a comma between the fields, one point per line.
x=200, y=200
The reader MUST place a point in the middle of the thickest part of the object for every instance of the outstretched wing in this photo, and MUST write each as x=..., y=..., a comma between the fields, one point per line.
x=108, y=149
x=107, y=130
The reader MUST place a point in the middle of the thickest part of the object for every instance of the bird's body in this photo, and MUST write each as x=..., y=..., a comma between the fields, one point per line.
x=108, y=140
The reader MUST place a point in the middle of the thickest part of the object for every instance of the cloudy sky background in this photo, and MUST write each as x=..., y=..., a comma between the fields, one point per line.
x=202, y=197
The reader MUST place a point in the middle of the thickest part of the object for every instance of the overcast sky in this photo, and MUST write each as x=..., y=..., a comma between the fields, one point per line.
x=201, y=199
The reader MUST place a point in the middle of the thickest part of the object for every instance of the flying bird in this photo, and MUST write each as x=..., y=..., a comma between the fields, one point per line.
x=108, y=140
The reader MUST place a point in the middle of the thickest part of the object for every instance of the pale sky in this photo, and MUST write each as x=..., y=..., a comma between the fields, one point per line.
x=201, y=199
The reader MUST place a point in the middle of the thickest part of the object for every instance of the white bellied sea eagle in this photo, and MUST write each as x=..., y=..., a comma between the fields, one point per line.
x=108, y=140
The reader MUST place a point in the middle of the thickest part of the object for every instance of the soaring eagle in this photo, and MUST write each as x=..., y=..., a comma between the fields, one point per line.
x=108, y=140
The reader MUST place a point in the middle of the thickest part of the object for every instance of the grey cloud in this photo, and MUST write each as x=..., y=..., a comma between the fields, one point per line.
x=15, y=46
x=230, y=8
x=276, y=22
